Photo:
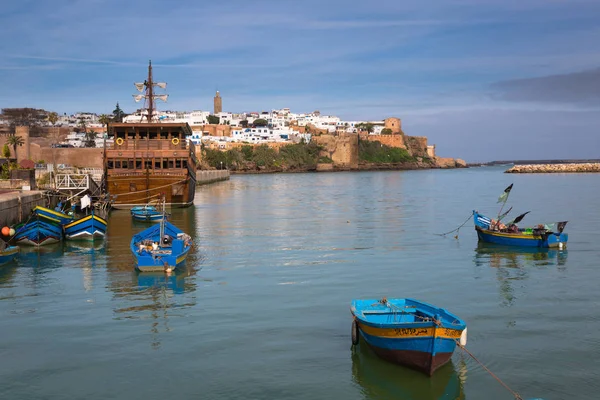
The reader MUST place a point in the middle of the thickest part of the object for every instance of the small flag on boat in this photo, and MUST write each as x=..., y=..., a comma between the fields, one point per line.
x=504, y=195
x=520, y=217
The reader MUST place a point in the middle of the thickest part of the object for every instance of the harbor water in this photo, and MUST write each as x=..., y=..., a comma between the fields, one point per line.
x=261, y=309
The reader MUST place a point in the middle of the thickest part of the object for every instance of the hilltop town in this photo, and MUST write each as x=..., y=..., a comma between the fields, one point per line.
x=341, y=144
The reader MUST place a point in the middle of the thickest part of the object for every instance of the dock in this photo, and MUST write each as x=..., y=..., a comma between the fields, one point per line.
x=204, y=177
x=16, y=205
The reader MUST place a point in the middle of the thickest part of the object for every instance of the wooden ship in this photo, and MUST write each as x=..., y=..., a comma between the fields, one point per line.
x=150, y=159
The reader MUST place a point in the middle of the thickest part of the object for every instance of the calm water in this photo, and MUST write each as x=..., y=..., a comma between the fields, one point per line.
x=261, y=310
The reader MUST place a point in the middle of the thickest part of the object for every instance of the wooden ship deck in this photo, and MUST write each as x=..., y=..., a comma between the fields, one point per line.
x=148, y=160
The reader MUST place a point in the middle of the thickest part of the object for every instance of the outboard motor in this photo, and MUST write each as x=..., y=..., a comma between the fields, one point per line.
x=166, y=240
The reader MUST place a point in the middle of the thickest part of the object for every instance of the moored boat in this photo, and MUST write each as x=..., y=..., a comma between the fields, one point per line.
x=161, y=247
x=52, y=216
x=7, y=253
x=86, y=227
x=146, y=213
x=541, y=235
x=408, y=332
x=37, y=232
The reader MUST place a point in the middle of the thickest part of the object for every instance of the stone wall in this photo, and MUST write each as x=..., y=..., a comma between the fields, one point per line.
x=394, y=124
x=16, y=206
x=387, y=140
x=78, y=157
x=209, y=176
x=213, y=130
x=416, y=145
x=342, y=148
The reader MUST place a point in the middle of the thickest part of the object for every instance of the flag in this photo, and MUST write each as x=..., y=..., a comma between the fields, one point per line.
x=504, y=195
x=520, y=217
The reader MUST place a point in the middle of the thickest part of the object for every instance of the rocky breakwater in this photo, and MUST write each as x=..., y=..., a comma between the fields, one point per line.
x=553, y=168
x=446, y=162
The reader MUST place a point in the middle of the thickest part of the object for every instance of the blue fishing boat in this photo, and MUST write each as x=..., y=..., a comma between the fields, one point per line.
x=162, y=247
x=53, y=216
x=147, y=213
x=7, y=253
x=38, y=232
x=87, y=227
x=408, y=332
x=541, y=235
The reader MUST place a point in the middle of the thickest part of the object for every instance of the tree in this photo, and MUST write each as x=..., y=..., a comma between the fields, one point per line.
x=244, y=123
x=386, y=131
x=118, y=114
x=260, y=122
x=5, y=151
x=53, y=118
x=14, y=141
x=31, y=117
x=212, y=119
x=104, y=120
x=365, y=126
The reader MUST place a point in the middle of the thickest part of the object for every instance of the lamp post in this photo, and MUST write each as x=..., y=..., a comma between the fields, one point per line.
x=221, y=164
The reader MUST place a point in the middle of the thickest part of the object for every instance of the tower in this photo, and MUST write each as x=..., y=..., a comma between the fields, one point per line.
x=218, y=104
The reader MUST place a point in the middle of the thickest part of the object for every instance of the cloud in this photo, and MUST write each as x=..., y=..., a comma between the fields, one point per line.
x=574, y=88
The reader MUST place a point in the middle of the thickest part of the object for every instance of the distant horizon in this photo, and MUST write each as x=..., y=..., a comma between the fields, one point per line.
x=481, y=80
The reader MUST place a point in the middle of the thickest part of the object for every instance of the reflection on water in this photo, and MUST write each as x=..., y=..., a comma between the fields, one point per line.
x=381, y=380
x=155, y=296
x=513, y=263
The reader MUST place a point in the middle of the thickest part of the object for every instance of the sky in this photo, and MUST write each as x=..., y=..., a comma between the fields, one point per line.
x=482, y=79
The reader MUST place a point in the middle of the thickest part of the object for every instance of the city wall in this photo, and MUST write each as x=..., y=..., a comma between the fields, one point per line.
x=342, y=148
x=16, y=206
x=78, y=157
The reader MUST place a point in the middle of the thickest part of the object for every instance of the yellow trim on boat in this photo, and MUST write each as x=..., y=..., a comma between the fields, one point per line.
x=59, y=214
x=75, y=223
x=181, y=258
x=511, y=235
x=405, y=333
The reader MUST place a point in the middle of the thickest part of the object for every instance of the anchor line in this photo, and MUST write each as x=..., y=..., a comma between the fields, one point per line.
x=514, y=393
x=455, y=229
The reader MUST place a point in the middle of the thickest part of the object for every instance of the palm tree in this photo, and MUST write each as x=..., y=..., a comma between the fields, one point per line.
x=104, y=119
x=14, y=141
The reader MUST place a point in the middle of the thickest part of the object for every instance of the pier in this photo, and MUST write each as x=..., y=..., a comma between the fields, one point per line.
x=204, y=177
x=16, y=206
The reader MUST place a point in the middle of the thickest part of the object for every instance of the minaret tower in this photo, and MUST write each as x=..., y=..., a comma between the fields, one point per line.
x=218, y=104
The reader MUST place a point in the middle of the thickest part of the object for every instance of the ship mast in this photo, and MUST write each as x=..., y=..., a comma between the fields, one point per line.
x=148, y=87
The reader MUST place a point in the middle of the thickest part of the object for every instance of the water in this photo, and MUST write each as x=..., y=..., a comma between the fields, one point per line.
x=261, y=310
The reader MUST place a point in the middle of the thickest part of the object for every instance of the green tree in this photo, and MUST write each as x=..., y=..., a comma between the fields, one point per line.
x=104, y=119
x=14, y=141
x=53, y=118
x=244, y=123
x=365, y=126
x=5, y=151
x=212, y=119
x=260, y=122
x=386, y=131
x=118, y=114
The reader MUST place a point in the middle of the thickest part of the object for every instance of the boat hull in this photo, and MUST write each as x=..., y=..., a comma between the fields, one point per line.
x=425, y=354
x=152, y=253
x=407, y=332
x=38, y=233
x=510, y=239
x=144, y=216
x=90, y=227
x=155, y=264
x=8, y=254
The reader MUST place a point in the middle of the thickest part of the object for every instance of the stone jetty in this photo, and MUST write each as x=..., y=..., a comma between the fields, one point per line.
x=553, y=168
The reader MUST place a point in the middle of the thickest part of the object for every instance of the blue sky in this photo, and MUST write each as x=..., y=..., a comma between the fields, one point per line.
x=482, y=79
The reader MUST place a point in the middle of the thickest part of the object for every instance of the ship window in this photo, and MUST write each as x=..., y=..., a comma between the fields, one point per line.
x=147, y=164
x=110, y=164
x=130, y=163
x=153, y=135
x=157, y=163
x=138, y=163
x=171, y=163
x=178, y=163
x=117, y=163
x=165, y=163
x=184, y=162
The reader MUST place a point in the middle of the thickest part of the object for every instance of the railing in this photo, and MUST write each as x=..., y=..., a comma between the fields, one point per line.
x=148, y=144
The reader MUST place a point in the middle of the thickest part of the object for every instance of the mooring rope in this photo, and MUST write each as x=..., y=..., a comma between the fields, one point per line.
x=455, y=229
x=515, y=394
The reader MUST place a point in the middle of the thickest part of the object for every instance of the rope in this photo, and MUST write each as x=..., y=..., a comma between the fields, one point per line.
x=455, y=229
x=154, y=188
x=515, y=394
